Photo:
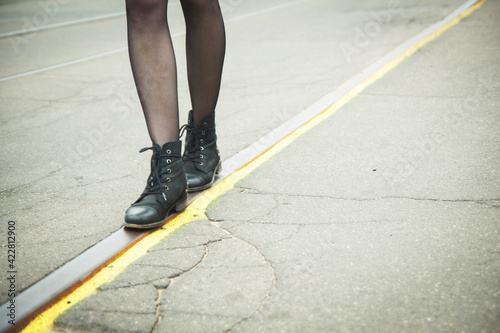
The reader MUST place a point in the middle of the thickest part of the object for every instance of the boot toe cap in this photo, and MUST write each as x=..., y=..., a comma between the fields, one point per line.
x=142, y=215
x=196, y=181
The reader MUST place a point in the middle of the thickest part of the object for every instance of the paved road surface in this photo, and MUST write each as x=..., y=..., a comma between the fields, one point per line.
x=382, y=218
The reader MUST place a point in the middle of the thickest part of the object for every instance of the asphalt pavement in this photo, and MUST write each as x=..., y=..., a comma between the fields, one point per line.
x=382, y=218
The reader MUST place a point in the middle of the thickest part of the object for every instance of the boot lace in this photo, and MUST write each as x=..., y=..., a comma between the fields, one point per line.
x=155, y=184
x=193, y=149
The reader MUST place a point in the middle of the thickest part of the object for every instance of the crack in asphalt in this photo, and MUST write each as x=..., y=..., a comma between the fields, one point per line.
x=188, y=247
x=195, y=265
x=60, y=166
x=480, y=201
x=204, y=314
x=176, y=275
x=158, y=312
x=273, y=272
x=297, y=230
x=104, y=288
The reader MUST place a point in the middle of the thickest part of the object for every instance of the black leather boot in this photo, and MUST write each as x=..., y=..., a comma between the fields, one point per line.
x=165, y=190
x=201, y=157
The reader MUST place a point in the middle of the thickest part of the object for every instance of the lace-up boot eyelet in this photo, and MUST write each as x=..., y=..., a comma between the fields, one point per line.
x=201, y=174
x=159, y=200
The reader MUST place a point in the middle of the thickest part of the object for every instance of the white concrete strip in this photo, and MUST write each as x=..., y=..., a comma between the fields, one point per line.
x=273, y=137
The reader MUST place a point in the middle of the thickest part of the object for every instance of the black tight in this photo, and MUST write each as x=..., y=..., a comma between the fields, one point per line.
x=153, y=61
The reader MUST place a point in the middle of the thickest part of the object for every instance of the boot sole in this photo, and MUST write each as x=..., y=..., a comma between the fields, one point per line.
x=180, y=205
x=218, y=169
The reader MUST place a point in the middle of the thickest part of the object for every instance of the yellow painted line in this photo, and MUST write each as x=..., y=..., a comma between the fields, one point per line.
x=44, y=321
x=196, y=210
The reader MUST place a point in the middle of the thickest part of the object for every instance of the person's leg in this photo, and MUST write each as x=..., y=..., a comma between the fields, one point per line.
x=153, y=65
x=205, y=49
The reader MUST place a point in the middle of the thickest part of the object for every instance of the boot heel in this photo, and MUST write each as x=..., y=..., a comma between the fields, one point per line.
x=181, y=204
x=219, y=168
